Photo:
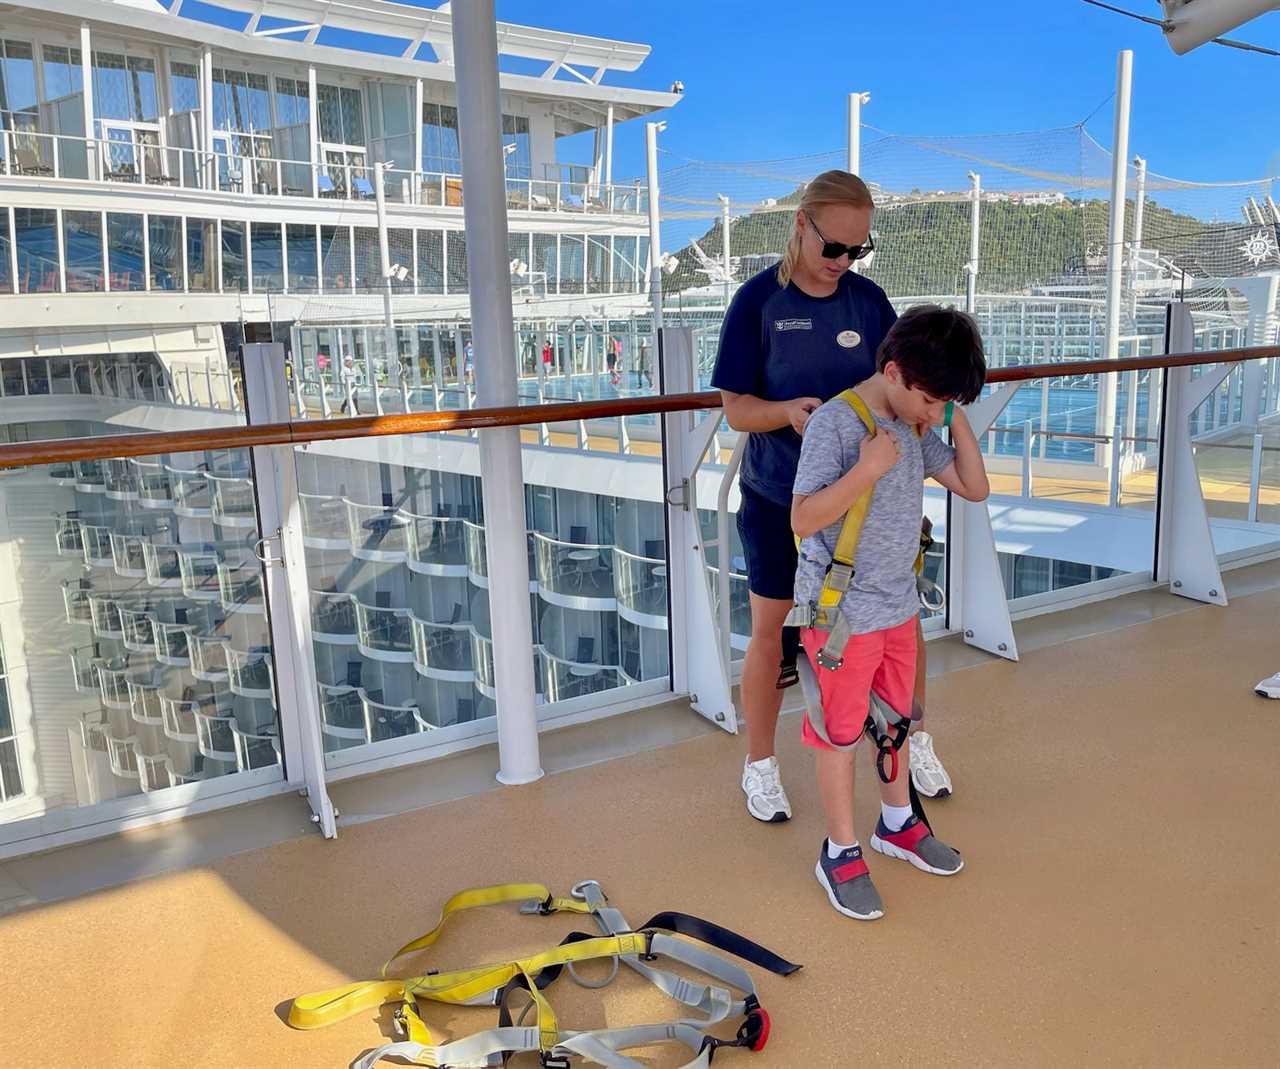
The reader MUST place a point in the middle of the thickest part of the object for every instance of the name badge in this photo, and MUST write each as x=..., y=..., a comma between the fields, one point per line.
x=849, y=338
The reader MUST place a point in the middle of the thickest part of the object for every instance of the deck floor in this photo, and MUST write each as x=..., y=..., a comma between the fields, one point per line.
x=1116, y=806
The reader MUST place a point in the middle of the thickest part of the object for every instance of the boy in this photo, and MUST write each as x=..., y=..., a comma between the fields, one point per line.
x=930, y=358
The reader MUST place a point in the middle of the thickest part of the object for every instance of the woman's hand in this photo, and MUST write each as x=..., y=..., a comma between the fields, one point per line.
x=880, y=453
x=798, y=411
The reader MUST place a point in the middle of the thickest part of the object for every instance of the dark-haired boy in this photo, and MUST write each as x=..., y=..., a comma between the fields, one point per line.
x=931, y=358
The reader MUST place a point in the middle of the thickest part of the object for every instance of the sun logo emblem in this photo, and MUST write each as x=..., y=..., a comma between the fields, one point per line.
x=1259, y=247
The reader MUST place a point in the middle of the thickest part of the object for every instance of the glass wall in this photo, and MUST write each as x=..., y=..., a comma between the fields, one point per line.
x=64, y=97
x=304, y=269
x=82, y=250
x=35, y=233
x=6, y=253
x=202, y=255
x=10, y=767
x=335, y=258
x=267, y=257
x=126, y=257
x=164, y=234
x=441, y=149
x=430, y=261
x=235, y=277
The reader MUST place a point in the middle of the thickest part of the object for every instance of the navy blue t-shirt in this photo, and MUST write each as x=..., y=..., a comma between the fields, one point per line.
x=777, y=344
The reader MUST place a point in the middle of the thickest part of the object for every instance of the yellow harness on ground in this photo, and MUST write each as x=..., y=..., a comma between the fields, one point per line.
x=687, y=940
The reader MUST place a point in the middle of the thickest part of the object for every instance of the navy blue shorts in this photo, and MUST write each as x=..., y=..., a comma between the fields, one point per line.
x=768, y=544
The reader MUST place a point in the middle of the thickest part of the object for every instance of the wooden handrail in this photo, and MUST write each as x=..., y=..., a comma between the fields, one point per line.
x=296, y=432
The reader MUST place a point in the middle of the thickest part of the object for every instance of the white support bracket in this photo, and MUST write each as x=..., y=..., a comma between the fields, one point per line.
x=1185, y=557
x=697, y=668
x=977, y=605
x=280, y=517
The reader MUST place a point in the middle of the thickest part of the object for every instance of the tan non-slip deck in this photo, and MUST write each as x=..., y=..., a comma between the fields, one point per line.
x=1117, y=805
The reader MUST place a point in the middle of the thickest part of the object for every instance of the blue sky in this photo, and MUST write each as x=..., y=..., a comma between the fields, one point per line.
x=766, y=80
x=770, y=80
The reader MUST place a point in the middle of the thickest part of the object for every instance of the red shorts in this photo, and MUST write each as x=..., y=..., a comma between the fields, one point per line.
x=884, y=661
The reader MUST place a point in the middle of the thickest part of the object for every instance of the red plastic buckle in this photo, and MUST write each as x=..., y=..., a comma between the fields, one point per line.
x=765, y=1028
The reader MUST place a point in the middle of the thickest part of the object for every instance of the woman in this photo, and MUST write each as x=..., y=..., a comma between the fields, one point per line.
x=794, y=336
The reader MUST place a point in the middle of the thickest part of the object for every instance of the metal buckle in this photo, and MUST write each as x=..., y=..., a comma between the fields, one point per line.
x=839, y=576
x=831, y=664
x=578, y=890
x=554, y=1061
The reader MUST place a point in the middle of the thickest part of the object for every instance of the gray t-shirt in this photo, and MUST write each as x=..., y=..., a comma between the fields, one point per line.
x=883, y=591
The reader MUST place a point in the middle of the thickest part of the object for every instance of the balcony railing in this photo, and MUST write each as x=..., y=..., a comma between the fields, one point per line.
x=225, y=676
x=41, y=157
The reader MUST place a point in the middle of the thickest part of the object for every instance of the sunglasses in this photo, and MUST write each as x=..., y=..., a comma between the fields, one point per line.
x=833, y=250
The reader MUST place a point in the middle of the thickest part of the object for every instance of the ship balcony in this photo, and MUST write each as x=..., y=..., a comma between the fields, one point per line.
x=178, y=718
x=122, y=756
x=250, y=672
x=91, y=476
x=443, y=651
x=333, y=618
x=97, y=545
x=233, y=502
x=164, y=564
x=240, y=588
x=75, y=601
x=437, y=546
x=384, y=633
x=198, y=571
x=144, y=703
x=67, y=536
x=324, y=522
x=208, y=657
x=155, y=489
x=378, y=533
x=341, y=717
x=482, y=658
x=63, y=473
x=105, y=612
x=173, y=643
x=121, y=482
x=382, y=722
x=192, y=494
x=139, y=631
x=477, y=562
x=574, y=575
x=127, y=555
x=155, y=771
x=254, y=750
x=84, y=669
x=640, y=585
x=215, y=737
x=563, y=679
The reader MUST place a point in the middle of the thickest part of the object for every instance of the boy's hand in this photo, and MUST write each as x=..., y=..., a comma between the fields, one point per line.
x=880, y=453
x=798, y=410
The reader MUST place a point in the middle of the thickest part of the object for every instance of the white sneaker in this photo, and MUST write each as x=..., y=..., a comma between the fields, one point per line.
x=762, y=784
x=927, y=773
x=1269, y=687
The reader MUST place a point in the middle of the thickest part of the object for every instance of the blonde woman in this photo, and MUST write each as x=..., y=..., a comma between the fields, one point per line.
x=794, y=336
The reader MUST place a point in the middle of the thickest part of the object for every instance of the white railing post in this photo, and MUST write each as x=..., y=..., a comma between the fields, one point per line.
x=697, y=665
x=977, y=604
x=1107, y=384
x=1028, y=437
x=1255, y=478
x=1185, y=557
x=283, y=557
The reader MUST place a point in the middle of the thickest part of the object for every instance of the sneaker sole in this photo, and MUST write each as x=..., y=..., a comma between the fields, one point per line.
x=776, y=818
x=1267, y=692
x=941, y=792
x=890, y=850
x=822, y=879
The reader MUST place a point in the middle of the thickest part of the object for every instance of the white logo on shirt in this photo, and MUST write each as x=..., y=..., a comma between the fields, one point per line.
x=793, y=324
x=849, y=338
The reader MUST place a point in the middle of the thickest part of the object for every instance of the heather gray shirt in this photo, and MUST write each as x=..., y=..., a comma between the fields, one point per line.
x=883, y=591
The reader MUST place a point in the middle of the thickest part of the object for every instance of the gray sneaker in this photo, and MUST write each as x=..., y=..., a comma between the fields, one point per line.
x=915, y=843
x=848, y=884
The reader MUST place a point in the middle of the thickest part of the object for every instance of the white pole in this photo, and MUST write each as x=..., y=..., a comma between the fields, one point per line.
x=971, y=268
x=475, y=48
x=86, y=78
x=1135, y=248
x=384, y=254
x=313, y=127
x=651, y=131
x=856, y=100
x=206, y=96
x=1106, y=424
x=724, y=235
x=608, y=149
